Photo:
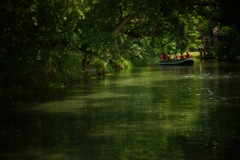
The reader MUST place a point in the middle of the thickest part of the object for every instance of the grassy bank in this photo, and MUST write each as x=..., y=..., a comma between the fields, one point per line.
x=194, y=54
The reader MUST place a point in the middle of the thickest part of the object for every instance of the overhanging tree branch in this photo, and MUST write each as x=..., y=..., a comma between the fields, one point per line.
x=122, y=23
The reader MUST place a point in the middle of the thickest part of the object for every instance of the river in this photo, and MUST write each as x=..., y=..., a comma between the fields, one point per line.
x=148, y=113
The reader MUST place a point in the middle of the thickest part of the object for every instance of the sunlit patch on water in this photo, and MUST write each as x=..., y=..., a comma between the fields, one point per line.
x=76, y=103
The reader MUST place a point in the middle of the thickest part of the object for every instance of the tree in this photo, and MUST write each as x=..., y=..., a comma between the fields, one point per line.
x=43, y=42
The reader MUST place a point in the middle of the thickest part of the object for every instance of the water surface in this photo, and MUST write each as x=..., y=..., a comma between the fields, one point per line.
x=150, y=113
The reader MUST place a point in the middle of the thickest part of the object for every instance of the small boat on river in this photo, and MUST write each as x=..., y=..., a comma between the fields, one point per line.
x=187, y=61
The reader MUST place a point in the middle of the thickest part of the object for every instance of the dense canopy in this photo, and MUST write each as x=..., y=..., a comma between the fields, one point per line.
x=50, y=43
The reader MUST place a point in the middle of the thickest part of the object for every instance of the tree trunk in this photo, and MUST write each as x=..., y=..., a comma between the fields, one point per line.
x=121, y=24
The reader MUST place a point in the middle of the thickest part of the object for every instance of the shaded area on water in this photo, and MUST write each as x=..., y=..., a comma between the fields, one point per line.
x=147, y=113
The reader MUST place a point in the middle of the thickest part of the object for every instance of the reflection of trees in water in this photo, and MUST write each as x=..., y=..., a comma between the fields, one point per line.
x=146, y=113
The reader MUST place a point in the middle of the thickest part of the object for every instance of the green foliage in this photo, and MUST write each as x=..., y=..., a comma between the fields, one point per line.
x=66, y=65
x=61, y=40
x=227, y=46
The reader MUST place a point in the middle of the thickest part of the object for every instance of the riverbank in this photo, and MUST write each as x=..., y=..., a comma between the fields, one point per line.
x=194, y=54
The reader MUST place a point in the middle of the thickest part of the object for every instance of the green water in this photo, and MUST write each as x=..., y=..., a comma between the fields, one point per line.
x=150, y=113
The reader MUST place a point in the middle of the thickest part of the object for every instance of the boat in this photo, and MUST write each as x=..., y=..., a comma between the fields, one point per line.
x=187, y=61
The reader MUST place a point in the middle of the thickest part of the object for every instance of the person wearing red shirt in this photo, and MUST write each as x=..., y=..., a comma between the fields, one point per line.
x=181, y=56
x=168, y=56
x=162, y=57
x=175, y=56
x=187, y=55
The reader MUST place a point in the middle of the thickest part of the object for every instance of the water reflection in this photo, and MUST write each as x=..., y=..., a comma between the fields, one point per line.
x=148, y=113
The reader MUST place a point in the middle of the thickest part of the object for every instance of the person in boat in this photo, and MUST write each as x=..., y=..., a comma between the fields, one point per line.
x=168, y=56
x=162, y=56
x=187, y=55
x=175, y=56
x=181, y=56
